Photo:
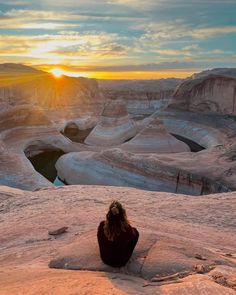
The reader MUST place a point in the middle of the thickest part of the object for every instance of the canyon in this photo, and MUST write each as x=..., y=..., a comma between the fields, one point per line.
x=165, y=148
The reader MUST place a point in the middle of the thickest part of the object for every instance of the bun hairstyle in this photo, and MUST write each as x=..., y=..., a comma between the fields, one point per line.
x=116, y=221
x=114, y=210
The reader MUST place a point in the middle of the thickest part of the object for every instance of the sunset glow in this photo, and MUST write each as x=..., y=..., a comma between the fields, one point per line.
x=122, y=40
x=57, y=73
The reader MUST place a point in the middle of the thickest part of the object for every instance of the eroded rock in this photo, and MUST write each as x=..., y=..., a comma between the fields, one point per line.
x=154, y=138
x=210, y=94
x=115, y=126
x=58, y=231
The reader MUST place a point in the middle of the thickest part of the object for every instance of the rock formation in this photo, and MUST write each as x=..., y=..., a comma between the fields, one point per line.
x=28, y=130
x=140, y=96
x=155, y=139
x=210, y=94
x=186, y=244
x=24, y=85
x=118, y=168
x=32, y=117
x=114, y=127
x=186, y=172
x=174, y=229
x=226, y=72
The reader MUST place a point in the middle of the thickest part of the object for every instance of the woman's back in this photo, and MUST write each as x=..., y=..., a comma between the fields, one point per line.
x=115, y=250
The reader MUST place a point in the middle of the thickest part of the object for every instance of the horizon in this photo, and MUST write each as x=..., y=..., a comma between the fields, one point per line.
x=119, y=40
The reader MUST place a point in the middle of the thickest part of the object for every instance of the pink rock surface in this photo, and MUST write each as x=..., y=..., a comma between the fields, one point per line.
x=181, y=225
x=154, y=138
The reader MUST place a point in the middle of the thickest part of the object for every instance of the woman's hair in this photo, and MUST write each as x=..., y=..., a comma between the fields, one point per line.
x=116, y=221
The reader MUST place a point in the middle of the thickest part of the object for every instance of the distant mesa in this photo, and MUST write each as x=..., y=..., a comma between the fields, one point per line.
x=20, y=84
x=13, y=67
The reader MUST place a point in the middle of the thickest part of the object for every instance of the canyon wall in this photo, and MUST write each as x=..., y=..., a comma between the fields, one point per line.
x=118, y=168
x=140, y=96
x=210, y=94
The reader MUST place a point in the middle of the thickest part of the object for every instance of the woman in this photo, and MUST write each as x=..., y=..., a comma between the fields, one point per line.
x=116, y=237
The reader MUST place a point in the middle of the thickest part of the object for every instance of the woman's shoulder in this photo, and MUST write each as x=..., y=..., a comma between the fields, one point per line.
x=101, y=225
x=132, y=230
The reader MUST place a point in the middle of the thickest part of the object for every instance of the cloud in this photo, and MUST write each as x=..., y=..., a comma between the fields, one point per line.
x=63, y=46
x=36, y=26
x=204, y=33
x=30, y=19
x=174, y=52
x=52, y=20
x=179, y=30
x=148, y=4
x=91, y=50
x=131, y=34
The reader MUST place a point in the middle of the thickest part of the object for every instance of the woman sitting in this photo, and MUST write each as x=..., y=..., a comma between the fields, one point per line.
x=116, y=237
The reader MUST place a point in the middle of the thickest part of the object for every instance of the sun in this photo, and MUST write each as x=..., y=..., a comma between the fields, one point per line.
x=57, y=72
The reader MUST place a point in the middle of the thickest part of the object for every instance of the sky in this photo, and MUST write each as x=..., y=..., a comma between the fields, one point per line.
x=123, y=39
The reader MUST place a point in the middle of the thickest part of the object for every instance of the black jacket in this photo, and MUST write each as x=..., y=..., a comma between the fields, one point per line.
x=117, y=253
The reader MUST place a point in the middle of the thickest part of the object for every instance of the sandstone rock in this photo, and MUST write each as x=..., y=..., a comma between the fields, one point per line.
x=199, y=268
x=178, y=224
x=196, y=285
x=58, y=231
x=226, y=72
x=155, y=139
x=173, y=257
x=34, y=104
x=114, y=127
x=224, y=275
x=211, y=94
x=83, y=254
x=159, y=261
x=83, y=122
x=140, y=96
x=26, y=85
x=200, y=257
x=119, y=168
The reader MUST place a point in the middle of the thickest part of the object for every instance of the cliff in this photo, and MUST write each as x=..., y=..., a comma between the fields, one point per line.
x=140, y=96
x=210, y=94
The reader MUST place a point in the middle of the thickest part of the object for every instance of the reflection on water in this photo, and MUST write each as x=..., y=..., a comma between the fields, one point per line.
x=58, y=182
x=45, y=162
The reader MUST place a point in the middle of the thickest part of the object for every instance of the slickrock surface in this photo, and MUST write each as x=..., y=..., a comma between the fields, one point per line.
x=154, y=138
x=208, y=171
x=114, y=127
x=173, y=230
x=152, y=172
